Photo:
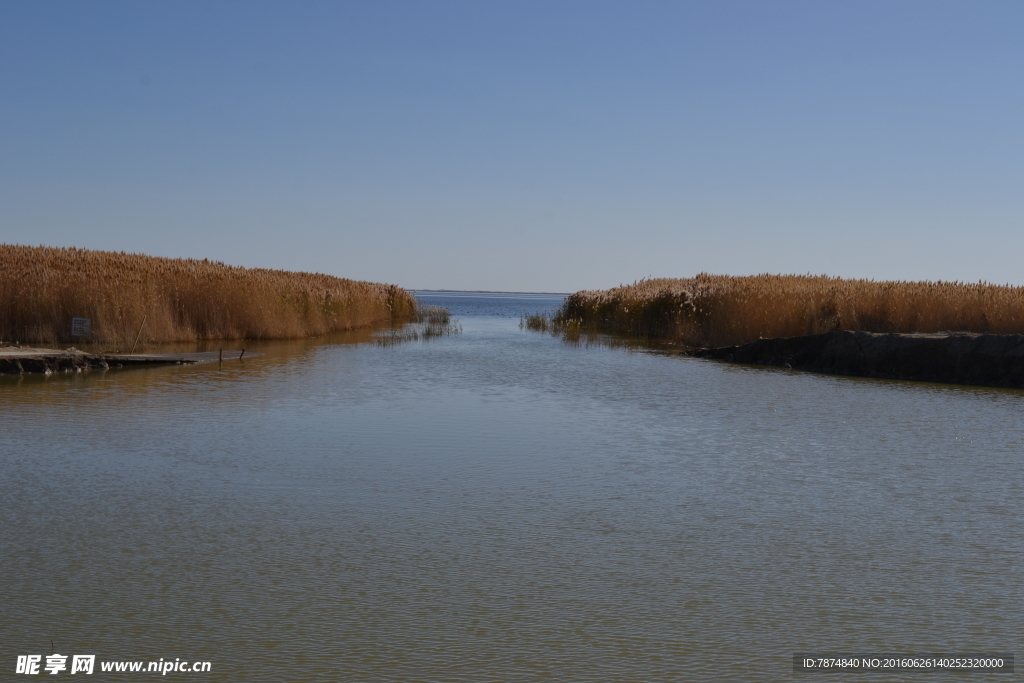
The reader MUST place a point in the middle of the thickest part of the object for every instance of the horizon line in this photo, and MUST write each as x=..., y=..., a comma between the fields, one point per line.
x=484, y=291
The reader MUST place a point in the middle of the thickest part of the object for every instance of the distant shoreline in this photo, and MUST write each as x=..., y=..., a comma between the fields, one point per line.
x=484, y=291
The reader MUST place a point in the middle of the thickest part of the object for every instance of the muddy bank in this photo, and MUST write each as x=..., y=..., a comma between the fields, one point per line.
x=20, y=360
x=993, y=360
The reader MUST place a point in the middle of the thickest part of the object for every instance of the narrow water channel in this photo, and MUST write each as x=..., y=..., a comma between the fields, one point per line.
x=501, y=505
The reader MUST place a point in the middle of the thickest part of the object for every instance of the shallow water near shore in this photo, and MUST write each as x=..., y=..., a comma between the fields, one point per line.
x=499, y=505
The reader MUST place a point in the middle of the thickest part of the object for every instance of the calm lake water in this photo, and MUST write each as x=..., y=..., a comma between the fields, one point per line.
x=501, y=505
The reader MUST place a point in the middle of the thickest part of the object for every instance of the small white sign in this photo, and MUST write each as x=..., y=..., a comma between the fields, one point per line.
x=81, y=327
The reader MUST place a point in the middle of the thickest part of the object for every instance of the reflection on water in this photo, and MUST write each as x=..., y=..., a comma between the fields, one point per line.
x=498, y=505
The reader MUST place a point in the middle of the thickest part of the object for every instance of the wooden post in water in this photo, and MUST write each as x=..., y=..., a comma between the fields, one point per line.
x=220, y=357
x=137, y=336
x=241, y=354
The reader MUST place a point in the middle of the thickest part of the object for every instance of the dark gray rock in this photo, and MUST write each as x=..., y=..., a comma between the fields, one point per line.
x=993, y=360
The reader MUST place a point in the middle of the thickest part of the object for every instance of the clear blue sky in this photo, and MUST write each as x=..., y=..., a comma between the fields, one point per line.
x=546, y=146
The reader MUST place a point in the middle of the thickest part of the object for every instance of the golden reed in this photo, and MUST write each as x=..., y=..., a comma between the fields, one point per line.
x=41, y=288
x=718, y=310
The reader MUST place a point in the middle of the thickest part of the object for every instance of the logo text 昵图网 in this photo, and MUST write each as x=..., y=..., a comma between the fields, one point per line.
x=86, y=664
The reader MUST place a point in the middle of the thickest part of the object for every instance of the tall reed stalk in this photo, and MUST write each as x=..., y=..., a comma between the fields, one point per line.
x=717, y=310
x=41, y=288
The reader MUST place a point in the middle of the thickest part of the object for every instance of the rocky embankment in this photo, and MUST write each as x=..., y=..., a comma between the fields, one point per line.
x=20, y=360
x=993, y=360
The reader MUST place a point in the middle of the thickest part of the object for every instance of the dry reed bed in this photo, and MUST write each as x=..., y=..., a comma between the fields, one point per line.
x=41, y=288
x=717, y=310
